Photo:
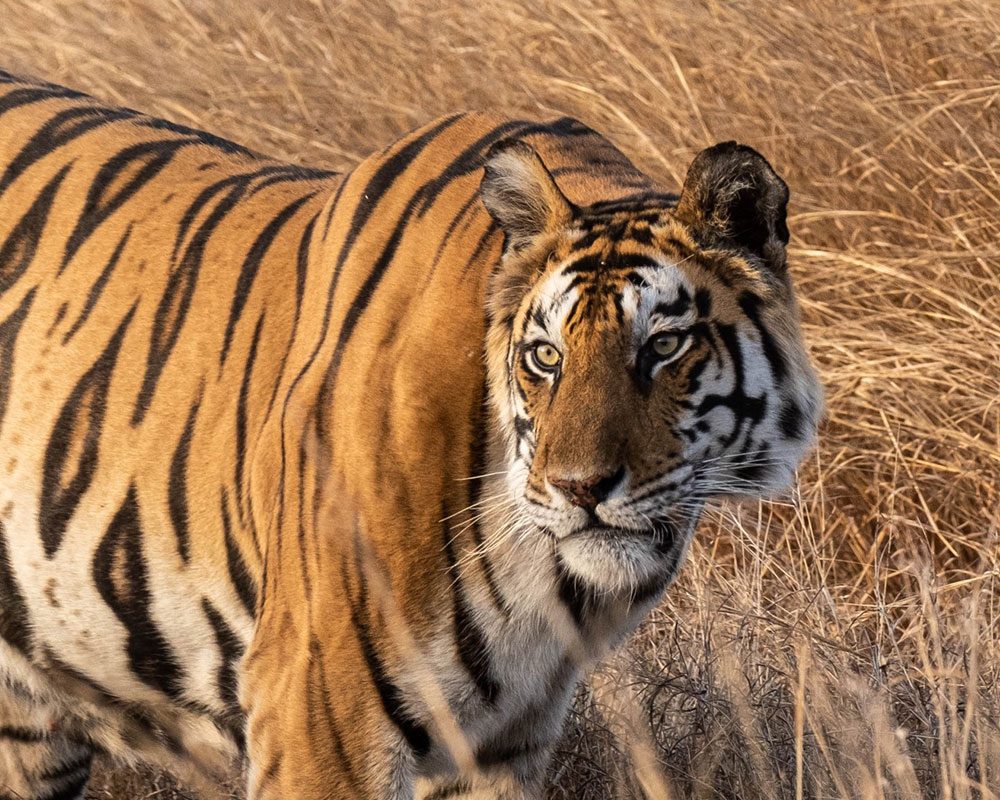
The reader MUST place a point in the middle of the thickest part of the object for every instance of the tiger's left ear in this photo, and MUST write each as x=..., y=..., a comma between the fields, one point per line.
x=521, y=195
x=733, y=198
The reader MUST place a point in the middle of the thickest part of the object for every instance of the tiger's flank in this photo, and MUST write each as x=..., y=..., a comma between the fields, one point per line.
x=342, y=479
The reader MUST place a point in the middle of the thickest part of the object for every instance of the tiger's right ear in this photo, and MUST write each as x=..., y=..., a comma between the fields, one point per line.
x=521, y=195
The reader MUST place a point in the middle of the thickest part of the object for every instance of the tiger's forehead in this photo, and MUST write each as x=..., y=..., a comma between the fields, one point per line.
x=621, y=266
x=620, y=287
x=621, y=225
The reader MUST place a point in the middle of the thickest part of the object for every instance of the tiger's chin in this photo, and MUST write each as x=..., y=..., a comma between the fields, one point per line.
x=624, y=561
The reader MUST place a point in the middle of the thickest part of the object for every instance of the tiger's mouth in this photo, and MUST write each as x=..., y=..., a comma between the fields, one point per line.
x=661, y=535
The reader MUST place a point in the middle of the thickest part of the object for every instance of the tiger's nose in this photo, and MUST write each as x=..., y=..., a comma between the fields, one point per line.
x=588, y=492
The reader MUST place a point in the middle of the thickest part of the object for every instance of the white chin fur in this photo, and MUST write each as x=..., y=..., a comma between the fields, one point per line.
x=613, y=562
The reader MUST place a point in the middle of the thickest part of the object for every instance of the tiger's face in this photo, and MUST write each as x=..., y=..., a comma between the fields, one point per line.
x=645, y=357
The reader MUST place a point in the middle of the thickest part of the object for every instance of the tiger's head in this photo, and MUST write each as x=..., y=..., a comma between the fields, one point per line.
x=644, y=356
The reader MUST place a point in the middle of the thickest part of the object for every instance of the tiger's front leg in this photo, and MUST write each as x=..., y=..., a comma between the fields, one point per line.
x=316, y=729
x=325, y=724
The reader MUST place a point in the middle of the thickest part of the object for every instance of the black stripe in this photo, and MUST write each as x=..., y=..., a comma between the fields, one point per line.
x=296, y=174
x=320, y=700
x=591, y=165
x=57, y=132
x=658, y=583
x=791, y=419
x=703, y=302
x=751, y=304
x=241, y=422
x=119, y=573
x=619, y=309
x=536, y=314
x=450, y=790
x=635, y=279
x=18, y=250
x=469, y=639
x=641, y=202
x=390, y=696
x=231, y=650
x=18, y=734
x=63, y=484
x=695, y=372
x=641, y=235
x=149, y=157
x=95, y=291
x=503, y=750
x=523, y=427
x=251, y=266
x=333, y=206
x=450, y=230
x=9, y=329
x=239, y=574
x=15, y=628
x=60, y=314
x=580, y=599
x=677, y=307
x=71, y=767
x=588, y=264
x=749, y=472
x=34, y=94
x=593, y=234
x=72, y=792
x=177, y=502
x=633, y=261
x=489, y=235
x=301, y=538
x=685, y=251
x=301, y=273
x=201, y=137
x=269, y=774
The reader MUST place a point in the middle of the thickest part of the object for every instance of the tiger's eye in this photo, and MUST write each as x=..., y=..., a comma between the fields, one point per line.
x=547, y=356
x=665, y=344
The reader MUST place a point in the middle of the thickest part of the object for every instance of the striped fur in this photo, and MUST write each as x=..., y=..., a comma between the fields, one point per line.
x=283, y=483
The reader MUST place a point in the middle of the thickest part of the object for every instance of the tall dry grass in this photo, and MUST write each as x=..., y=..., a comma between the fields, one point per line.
x=843, y=642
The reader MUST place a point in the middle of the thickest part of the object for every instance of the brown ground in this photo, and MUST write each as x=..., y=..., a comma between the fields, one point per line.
x=844, y=642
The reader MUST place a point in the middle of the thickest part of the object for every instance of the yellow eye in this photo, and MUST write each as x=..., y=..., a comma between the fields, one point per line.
x=665, y=345
x=546, y=356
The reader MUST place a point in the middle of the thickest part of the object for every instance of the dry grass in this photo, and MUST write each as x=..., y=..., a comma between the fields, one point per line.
x=845, y=644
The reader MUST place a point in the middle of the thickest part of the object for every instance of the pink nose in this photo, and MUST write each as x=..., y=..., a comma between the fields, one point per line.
x=588, y=492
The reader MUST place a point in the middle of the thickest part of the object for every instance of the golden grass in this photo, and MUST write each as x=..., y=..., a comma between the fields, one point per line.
x=845, y=642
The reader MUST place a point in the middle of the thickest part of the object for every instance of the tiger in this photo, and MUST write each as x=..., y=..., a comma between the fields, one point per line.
x=339, y=482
